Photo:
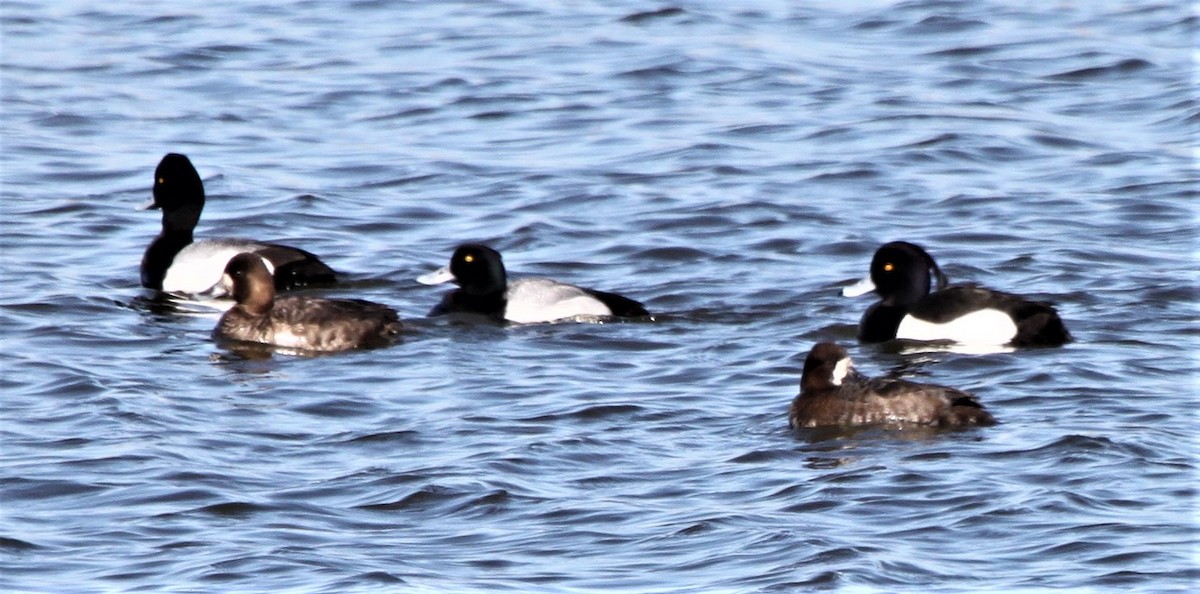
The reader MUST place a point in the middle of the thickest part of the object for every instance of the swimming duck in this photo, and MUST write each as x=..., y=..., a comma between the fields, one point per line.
x=173, y=263
x=485, y=289
x=967, y=314
x=298, y=322
x=833, y=393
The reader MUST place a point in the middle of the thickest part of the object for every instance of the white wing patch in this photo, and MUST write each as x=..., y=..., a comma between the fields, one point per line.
x=983, y=327
x=533, y=300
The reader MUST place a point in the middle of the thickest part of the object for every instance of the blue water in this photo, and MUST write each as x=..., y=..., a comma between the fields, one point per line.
x=730, y=165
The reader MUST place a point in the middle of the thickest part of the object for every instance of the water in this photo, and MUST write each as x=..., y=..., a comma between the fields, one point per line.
x=730, y=167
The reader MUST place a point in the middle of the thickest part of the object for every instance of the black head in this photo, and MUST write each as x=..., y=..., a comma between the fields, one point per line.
x=826, y=366
x=478, y=269
x=177, y=184
x=901, y=272
x=249, y=281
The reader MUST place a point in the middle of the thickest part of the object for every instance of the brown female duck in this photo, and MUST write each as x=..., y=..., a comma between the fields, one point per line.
x=833, y=393
x=298, y=322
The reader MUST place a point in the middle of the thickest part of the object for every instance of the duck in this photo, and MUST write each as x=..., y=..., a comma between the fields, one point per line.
x=964, y=314
x=833, y=393
x=175, y=263
x=296, y=321
x=484, y=288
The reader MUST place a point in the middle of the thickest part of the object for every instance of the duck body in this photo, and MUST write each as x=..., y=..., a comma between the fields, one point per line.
x=484, y=289
x=175, y=263
x=901, y=274
x=833, y=394
x=311, y=324
x=298, y=322
x=196, y=267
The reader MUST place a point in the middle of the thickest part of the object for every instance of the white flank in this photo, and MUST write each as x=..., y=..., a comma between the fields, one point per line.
x=983, y=327
x=533, y=300
x=862, y=287
x=198, y=267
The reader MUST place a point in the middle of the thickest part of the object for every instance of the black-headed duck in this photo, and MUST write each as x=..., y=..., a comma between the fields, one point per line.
x=966, y=314
x=484, y=288
x=174, y=263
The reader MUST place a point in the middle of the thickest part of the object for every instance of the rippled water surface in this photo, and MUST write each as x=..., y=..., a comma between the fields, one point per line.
x=730, y=164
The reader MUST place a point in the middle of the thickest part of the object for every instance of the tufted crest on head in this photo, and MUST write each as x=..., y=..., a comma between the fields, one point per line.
x=902, y=271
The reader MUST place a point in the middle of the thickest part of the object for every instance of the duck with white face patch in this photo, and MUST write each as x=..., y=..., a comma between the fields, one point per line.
x=832, y=393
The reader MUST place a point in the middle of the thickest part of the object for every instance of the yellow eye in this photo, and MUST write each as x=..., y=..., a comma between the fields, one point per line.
x=888, y=267
x=468, y=258
x=162, y=181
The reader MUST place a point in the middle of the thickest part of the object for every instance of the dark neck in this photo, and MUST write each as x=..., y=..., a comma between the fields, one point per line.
x=880, y=322
x=182, y=219
x=492, y=304
x=256, y=296
x=909, y=296
x=491, y=287
x=811, y=384
x=159, y=256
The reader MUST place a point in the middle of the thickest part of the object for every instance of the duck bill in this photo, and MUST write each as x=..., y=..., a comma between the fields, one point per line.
x=147, y=205
x=437, y=277
x=223, y=288
x=862, y=287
